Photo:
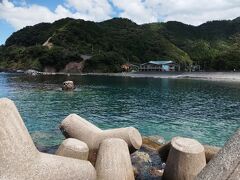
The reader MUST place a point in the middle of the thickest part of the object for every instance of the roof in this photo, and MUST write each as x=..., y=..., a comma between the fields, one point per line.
x=159, y=62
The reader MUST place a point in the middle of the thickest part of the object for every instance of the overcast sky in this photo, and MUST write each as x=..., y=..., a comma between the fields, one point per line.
x=16, y=14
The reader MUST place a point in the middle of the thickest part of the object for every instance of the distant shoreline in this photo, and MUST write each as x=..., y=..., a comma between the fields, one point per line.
x=211, y=76
x=215, y=76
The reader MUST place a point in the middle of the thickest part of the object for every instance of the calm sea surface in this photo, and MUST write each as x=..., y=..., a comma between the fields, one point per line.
x=206, y=110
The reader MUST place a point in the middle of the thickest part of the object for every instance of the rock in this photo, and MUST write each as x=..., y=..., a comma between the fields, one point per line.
x=143, y=157
x=164, y=151
x=157, y=139
x=68, y=86
x=156, y=172
x=135, y=171
x=185, y=160
x=210, y=151
x=163, y=165
x=31, y=72
x=152, y=142
x=146, y=163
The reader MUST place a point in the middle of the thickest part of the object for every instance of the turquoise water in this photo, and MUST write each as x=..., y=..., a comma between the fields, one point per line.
x=206, y=110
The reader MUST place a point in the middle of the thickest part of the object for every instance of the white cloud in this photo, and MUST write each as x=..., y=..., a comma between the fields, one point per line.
x=197, y=12
x=20, y=14
x=136, y=10
x=97, y=10
x=25, y=15
x=188, y=11
x=199, y=18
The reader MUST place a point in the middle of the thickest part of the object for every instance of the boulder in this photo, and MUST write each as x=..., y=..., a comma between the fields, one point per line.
x=31, y=72
x=21, y=160
x=157, y=139
x=68, y=86
x=164, y=151
x=142, y=157
x=156, y=172
x=152, y=142
x=147, y=164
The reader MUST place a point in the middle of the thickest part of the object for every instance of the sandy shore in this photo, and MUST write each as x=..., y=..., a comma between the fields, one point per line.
x=218, y=76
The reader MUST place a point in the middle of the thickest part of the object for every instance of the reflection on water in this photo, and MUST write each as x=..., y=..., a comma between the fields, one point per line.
x=206, y=110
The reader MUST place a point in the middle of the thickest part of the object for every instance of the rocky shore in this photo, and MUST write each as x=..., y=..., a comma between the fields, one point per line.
x=89, y=152
x=150, y=160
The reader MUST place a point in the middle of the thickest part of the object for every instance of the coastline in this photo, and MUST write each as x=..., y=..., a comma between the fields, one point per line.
x=213, y=76
x=210, y=76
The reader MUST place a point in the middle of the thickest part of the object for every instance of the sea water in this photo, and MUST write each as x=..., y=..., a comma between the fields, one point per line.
x=208, y=111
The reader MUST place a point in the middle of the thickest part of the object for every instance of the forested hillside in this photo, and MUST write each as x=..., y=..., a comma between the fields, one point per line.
x=214, y=45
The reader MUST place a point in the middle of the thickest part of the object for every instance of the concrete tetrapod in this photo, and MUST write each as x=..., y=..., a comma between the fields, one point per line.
x=210, y=151
x=185, y=160
x=226, y=164
x=76, y=127
x=113, y=160
x=73, y=148
x=20, y=160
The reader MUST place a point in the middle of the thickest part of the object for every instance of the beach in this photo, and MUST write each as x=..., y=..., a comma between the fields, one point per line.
x=215, y=76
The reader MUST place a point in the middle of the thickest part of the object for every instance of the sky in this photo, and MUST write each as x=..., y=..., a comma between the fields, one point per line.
x=16, y=14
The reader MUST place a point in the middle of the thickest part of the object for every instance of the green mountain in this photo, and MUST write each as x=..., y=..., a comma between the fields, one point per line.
x=213, y=45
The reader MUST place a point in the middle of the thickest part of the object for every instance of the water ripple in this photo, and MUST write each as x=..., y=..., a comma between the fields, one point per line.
x=206, y=110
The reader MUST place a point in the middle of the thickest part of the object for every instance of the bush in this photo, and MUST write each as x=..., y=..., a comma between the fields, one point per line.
x=105, y=62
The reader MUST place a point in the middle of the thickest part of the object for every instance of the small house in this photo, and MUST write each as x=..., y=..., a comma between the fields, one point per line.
x=162, y=66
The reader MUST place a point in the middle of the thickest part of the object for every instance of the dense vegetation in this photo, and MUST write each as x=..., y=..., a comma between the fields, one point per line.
x=213, y=45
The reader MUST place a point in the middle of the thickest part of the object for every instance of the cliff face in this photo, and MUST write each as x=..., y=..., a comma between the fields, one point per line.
x=212, y=45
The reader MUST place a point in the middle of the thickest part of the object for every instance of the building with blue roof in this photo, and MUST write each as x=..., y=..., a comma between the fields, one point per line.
x=162, y=66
